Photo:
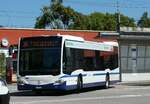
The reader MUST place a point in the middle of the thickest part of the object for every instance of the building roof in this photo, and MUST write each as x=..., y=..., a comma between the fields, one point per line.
x=135, y=35
x=13, y=34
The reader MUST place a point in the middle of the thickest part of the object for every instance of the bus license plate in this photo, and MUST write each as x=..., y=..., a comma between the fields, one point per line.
x=38, y=87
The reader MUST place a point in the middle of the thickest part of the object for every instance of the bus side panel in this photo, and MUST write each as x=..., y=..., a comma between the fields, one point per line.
x=94, y=79
x=89, y=80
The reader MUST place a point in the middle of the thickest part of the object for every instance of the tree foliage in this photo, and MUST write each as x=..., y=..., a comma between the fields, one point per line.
x=126, y=21
x=57, y=16
x=144, y=20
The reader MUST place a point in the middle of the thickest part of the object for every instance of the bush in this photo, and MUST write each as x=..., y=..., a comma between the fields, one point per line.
x=2, y=66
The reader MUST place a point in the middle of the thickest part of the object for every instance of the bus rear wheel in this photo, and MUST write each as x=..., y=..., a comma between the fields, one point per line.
x=107, y=81
x=79, y=83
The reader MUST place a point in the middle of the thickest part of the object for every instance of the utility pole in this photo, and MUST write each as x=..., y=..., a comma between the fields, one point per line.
x=118, y=17
x=56, y=1
x=118, y=30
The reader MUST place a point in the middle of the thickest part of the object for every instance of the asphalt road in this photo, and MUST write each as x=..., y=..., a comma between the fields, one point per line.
x=117, y=94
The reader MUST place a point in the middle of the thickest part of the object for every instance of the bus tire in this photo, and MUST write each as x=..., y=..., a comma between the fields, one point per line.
x=107, y=81
x=79, y=83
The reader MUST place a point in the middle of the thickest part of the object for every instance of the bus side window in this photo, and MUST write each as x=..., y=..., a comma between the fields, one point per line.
x=88, y=62
x=89, y=56
x=101, y=63
x=113, y=62
x=66, y=61
x=93, y=61
x=72, y=60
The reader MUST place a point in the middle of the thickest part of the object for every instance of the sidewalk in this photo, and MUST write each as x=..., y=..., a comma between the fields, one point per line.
x=136, y=83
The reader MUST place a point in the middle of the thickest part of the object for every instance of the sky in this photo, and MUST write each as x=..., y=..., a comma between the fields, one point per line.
x=23, y=13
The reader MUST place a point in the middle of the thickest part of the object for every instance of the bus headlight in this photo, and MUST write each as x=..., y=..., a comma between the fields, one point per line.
x=21, y=81
x=2, y=83
x=58, y=82
x=3, y=87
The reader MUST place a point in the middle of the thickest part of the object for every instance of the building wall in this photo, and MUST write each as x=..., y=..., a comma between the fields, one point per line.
x=135, y=58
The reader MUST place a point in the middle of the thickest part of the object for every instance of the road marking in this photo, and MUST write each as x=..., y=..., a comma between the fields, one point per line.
x=81, y=99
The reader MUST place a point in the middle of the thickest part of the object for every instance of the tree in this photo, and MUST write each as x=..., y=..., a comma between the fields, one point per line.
x=107, y=21
x=110, y=22
x=57, y=16
x=80, y=22
x=96, y=21
x=144, y=20
x=126, y=21
x=45, y=19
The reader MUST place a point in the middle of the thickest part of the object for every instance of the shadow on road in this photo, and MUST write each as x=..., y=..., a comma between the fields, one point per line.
x=54, y=92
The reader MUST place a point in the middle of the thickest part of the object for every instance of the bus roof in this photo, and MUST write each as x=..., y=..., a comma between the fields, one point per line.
x=70, y=37
x=111, y=43
x=100, y=46
x=65, y=37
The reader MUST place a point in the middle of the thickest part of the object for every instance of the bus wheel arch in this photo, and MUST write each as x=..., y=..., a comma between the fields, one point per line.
x=107, y=80
x=79, y=82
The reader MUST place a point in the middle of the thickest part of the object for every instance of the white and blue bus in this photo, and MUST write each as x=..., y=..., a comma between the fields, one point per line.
x=65, y=62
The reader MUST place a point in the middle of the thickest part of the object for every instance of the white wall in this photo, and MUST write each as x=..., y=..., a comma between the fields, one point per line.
x=129, y=77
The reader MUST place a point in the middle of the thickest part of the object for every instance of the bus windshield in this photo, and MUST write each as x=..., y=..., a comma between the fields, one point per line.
x=40, y=56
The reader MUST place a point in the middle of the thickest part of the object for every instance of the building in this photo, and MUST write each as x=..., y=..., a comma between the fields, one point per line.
x=134, y=55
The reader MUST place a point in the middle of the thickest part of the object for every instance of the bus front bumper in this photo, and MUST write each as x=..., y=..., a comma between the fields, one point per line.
x=42, y=87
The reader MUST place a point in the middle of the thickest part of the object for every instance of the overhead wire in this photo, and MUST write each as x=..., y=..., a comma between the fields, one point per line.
x=16, y=14
x=108, y=4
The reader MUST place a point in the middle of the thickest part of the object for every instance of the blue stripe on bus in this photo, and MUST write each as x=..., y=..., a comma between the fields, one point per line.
x=97, y=74
x=62, y=86
x=65, y=76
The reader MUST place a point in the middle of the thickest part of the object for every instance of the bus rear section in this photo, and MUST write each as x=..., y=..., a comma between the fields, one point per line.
x=90, y=64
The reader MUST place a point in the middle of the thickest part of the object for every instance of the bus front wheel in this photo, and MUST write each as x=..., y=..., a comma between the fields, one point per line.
x=107, y=81
x=79, y=83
